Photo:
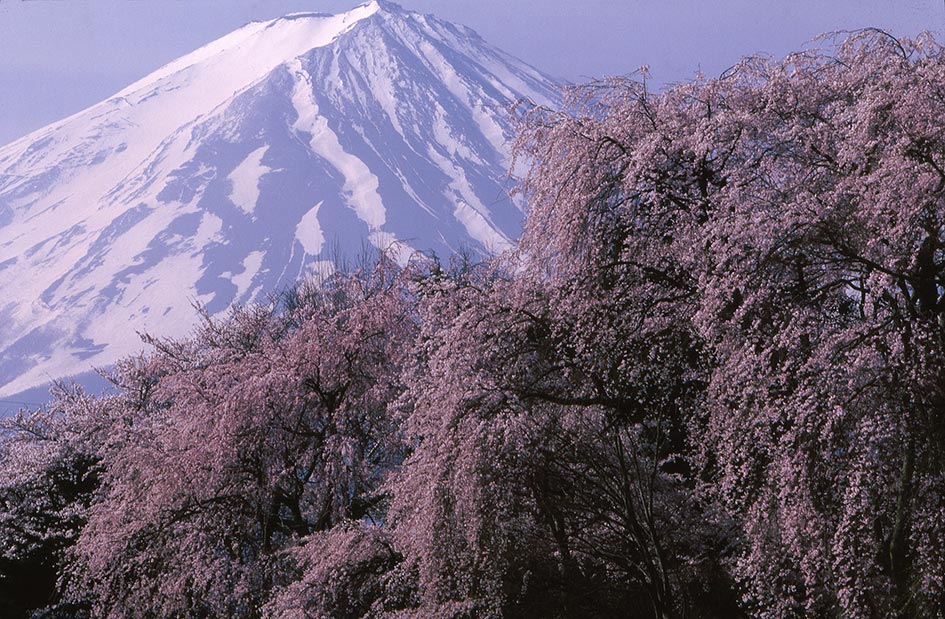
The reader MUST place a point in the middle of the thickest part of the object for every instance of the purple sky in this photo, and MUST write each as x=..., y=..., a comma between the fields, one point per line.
x=58, y=57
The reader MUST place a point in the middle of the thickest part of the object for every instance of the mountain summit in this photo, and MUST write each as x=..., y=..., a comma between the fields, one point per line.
x=242, y=166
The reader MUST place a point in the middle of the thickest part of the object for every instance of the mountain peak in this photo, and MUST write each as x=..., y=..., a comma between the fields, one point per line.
x=357, y=13
x=386, y=6
x=360, y=11
x=245, y=165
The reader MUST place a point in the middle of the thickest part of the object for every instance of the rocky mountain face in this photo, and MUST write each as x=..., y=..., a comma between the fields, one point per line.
x=245, y=165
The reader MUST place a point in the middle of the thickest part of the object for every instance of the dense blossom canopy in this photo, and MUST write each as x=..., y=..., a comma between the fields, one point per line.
x=791, y=215
x=709, y=382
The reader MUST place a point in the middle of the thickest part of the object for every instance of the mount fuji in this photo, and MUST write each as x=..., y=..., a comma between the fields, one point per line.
x=245, y=165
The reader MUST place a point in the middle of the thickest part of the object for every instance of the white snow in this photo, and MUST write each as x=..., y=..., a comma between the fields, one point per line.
x=484, y=117
x=388, y=243
x=144, y=114
x=453, y=144
x=251, y=265
x=360, y=183
x=308, y=232
x=245, y=180
x=207, y=232
x=480, y=228
x=468, y=208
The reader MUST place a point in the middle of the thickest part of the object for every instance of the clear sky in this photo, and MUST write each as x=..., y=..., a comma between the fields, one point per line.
x=60, y=56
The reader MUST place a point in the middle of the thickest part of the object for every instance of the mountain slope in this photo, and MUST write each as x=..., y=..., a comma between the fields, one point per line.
x=244, y=165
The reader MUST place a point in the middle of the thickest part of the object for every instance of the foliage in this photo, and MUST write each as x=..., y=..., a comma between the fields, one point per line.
x=793, y=212
x=260, y=431
x=50, y=472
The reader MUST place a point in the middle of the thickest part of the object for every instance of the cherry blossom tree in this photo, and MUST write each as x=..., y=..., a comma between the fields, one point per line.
x=49, y=472
x=544, y=482
x=263, y=429
x=791, y=213
x=835, y=334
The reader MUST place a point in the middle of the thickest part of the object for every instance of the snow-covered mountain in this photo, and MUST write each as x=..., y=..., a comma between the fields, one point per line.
x=244, y=165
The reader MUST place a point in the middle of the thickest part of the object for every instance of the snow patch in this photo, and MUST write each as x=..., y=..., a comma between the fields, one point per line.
x=251, y=266
x=245, y=180
x=308, y=232
x=208, y=231
x=398, y=250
